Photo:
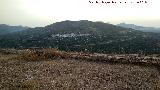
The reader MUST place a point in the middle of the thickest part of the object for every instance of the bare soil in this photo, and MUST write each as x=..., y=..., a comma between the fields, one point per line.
x=73, y=74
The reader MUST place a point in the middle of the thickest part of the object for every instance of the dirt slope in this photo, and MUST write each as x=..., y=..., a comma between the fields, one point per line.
x=72, y=74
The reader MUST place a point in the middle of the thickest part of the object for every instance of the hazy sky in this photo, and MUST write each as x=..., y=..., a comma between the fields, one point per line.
x=43, y=12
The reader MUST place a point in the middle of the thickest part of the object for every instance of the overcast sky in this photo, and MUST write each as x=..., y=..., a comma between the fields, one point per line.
x=43, y=12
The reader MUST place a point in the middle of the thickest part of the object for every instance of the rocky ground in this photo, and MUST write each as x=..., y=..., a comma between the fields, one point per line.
x=76, y=74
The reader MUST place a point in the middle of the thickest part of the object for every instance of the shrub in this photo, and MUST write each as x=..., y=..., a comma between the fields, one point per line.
x=44, y=54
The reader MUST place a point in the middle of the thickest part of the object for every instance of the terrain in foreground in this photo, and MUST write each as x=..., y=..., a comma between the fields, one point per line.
x=76, y=73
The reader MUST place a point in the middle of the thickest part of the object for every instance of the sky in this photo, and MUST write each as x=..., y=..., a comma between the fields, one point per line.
x=36, y=13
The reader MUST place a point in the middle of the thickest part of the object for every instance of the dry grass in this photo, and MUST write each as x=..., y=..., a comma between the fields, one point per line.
x=75, y=71
x=37, y=55
x=47, y=54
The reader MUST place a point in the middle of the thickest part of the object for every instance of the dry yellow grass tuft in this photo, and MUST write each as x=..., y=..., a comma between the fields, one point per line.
x=37, y=55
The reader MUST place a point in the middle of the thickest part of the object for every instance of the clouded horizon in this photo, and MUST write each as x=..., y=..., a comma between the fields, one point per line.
x=35, y=13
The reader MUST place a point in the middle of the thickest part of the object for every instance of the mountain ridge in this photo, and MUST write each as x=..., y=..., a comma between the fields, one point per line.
x=6, y=29
x=141, y=28
x=84, y=36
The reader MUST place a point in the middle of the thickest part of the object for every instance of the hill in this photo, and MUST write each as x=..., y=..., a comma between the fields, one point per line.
x=5, y=29
x=141, y=28
x=84, y=36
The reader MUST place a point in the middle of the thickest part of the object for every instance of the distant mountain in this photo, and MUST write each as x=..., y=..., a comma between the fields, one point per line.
x=5, y=29
x=141, y=28
x=84, y=36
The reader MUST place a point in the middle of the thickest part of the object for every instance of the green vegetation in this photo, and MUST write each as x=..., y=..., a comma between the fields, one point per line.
x=84, y=36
